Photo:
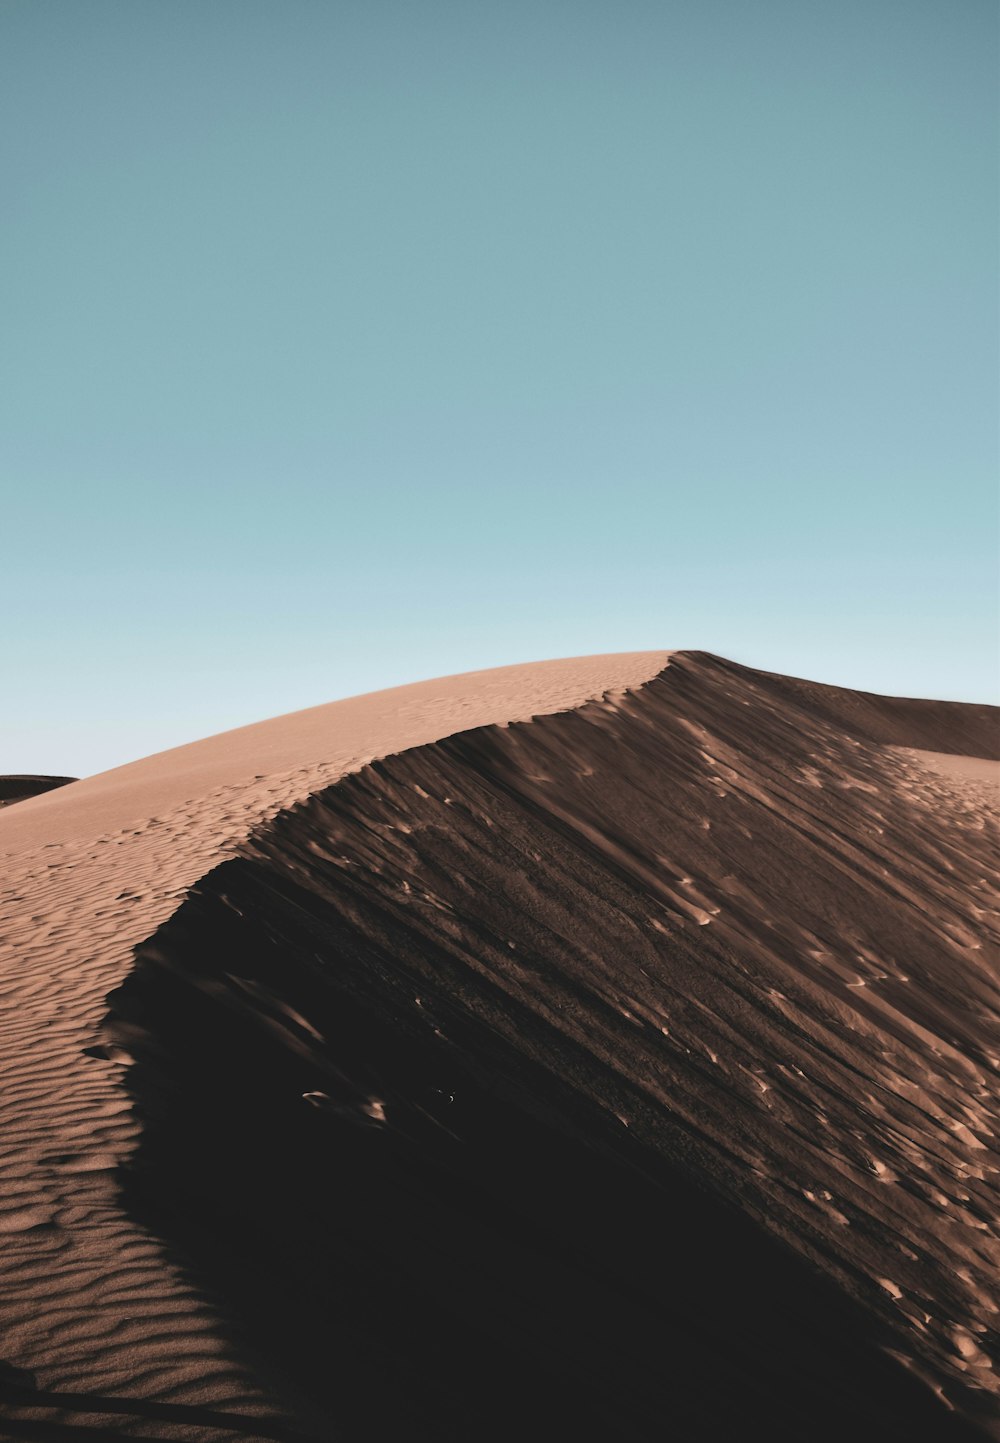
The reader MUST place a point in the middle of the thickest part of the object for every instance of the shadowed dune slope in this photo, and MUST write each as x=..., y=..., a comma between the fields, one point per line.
x=629, y=1072
x=17, y=788
x=957, y=728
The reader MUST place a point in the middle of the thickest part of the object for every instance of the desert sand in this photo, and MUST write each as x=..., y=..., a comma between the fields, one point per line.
x=597, y=1048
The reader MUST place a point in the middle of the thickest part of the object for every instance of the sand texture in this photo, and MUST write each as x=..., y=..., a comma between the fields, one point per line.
x=606, y=1048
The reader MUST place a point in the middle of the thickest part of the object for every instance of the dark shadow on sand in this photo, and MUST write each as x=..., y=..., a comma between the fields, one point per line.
x=497, y=1258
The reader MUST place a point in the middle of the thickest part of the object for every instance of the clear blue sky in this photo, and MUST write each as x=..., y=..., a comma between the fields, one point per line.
x=344, y=344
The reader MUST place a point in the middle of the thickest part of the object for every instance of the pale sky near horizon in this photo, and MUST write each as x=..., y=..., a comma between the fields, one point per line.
x=347, y=344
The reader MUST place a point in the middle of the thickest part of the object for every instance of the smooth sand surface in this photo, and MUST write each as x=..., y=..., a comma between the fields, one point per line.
x=983, y=769
x=629, y=1072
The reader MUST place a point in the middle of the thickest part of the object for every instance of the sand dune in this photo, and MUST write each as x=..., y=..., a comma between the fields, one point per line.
x=626, y=1071
x=17, y=788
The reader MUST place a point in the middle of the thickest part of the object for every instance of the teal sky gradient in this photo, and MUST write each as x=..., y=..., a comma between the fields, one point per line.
x=345, y=344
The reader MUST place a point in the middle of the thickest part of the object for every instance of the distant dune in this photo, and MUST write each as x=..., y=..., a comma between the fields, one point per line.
x=18, y=788
x=602, y=1048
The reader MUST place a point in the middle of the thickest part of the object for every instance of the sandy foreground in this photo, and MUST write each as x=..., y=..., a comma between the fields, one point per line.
x=604, y=1047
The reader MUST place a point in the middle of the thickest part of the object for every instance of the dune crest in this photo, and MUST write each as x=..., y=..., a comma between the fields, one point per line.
x=272, y=763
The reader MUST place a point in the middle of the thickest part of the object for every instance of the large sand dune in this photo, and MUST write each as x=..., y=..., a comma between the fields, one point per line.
x=627, y=1071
